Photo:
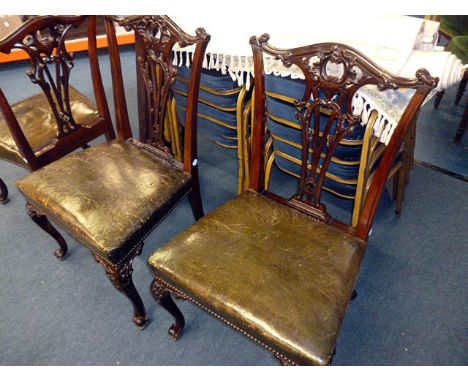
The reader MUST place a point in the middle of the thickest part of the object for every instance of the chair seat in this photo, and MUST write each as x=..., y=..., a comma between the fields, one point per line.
x=107, y=195
x=282, y=277
x=37, y=121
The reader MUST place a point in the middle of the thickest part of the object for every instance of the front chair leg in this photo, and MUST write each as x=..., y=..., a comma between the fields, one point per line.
x=120, y=275
x=162, y=295
x=3, y=192
x=41, y=220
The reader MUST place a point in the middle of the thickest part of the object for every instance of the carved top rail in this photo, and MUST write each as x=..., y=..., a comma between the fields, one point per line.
x=333, y=74
x=158, y=35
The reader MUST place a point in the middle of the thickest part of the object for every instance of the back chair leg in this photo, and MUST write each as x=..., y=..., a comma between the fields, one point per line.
x=438, y=98
x=195, y=200
x=120, y=275
x=3, y=192
x=400, y=192
x=463, y=125
x=41, y=220
x=162, y=295
x=461, y=88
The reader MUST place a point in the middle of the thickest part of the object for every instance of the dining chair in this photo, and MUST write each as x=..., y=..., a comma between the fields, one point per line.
x=111, y=196
x=58, y=120
x=282, y=270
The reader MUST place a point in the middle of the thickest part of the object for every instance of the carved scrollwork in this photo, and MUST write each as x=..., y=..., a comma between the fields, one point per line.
x=159, y=34
x=120, y=274
x=43, y=39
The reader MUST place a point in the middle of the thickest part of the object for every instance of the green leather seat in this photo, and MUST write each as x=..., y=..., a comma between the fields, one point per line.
x=233, y=261
x=105, y=195
x=37, y=121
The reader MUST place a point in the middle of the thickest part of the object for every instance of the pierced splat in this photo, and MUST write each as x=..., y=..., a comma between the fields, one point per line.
x=158, y=35
x=51, y=64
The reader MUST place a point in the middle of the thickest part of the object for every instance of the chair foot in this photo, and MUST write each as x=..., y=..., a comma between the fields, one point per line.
x=3, y=192
x=354, y=294
x=120, y=275
x=41, y=220
x=195, y=200
x=162, y=295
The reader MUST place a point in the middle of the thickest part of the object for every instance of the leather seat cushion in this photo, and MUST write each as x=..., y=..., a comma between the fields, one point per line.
x=282, y=276
x=106, y=194
x=38, y=123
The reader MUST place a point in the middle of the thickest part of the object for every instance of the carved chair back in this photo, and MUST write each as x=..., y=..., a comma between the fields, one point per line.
x=43, y=39
x=156, y=37
x=333, y=73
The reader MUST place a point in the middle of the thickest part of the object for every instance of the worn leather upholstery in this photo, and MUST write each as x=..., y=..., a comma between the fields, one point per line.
x=233, y=261
x=105, y=195
x=37, y=121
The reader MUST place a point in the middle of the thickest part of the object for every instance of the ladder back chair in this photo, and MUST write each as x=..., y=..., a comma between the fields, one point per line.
x=111, y=196
x=58, y=120
x=281, y=270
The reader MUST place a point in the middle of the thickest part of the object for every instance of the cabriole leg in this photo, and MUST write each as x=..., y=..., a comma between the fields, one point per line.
x=162, y=295
x=121, y=277
x=41, y=220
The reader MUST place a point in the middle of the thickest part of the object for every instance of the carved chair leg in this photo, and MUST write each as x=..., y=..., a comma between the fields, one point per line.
x=461, y=88
x=3, y=192
x=438, y=98
x=41, y=220
x=195, y=200
x=163, y=297
x=121, y=277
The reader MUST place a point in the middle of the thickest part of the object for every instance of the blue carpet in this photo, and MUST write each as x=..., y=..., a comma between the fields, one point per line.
x=411, y=308
x=435, y=132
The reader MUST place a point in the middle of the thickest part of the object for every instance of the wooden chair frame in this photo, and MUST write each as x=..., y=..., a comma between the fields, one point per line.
x=159, y=34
